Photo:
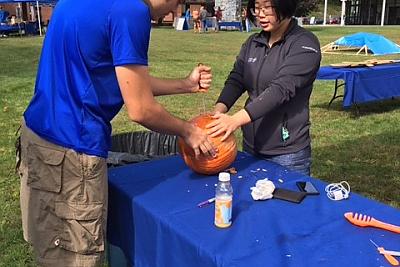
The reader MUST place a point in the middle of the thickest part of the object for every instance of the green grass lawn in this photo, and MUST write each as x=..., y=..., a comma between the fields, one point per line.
x=362, y=148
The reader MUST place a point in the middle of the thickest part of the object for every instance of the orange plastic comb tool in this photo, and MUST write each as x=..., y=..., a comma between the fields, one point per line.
x=365, y=221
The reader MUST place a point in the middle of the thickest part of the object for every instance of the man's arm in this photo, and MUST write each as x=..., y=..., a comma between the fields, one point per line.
x=200, y=76
x=134, y=83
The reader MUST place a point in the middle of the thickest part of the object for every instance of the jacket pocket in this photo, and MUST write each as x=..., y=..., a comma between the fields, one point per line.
x=81, y=227
x=44, y=168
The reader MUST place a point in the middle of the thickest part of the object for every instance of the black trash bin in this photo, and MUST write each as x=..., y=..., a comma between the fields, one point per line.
x=140, y=146
x=134, y=147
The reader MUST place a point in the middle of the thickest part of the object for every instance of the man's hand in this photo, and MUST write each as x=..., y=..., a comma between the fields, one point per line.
x=198, y=140
x=199, y=80
x=134, y=83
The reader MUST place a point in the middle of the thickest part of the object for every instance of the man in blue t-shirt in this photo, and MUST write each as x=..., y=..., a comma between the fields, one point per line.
x=94, y=60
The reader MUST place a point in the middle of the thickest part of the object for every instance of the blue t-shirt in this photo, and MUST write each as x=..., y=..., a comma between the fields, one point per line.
x=76, y=91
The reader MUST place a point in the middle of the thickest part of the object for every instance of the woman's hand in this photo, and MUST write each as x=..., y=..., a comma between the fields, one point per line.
x=222, y=124
x=199, y=80
x=226, y=124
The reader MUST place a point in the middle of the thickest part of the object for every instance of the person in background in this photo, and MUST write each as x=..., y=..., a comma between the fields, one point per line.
x=196, y=21
x=245, y=20
x=218, y=17
x=13, y=20
x=187, y=17
x=85, y=76
x=3, y=15
x=277, y=68
x=203, y=18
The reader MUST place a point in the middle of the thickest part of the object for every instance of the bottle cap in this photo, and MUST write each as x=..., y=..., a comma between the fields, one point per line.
x=224, y=177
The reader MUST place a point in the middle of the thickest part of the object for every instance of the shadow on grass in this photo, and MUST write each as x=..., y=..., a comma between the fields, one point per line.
x=369, y=164
x=360, y=110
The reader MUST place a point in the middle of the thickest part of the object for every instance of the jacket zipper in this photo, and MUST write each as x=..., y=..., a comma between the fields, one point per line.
x=259, y=70
x=258, y=78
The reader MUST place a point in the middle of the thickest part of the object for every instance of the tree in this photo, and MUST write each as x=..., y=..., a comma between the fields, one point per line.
x=305, y=7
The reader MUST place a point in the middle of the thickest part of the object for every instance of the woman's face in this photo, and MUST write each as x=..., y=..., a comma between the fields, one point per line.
x=266, y=15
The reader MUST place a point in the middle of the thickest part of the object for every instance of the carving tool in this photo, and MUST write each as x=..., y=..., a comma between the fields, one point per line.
x=392, y=260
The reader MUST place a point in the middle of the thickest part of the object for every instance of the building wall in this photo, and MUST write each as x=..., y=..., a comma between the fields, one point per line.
x=29, y=12
x=175, y=14
x=393, y=12
x=10, y=8
x=46, y=12
x=369, y=12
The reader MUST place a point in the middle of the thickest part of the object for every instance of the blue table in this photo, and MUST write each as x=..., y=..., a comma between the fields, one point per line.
x=153, y=217
x=236, y=24
x=365, y=84
x=7, y=29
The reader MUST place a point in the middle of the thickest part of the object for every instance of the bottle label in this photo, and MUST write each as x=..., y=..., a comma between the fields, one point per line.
x=223, y=212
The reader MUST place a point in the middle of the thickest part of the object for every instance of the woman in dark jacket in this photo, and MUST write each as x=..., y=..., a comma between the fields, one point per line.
x=277, y=68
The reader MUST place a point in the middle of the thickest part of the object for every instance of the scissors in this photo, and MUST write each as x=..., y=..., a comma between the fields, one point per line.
x=389, y=255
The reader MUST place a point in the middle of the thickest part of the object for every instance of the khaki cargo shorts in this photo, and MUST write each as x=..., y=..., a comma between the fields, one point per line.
x=63, y=202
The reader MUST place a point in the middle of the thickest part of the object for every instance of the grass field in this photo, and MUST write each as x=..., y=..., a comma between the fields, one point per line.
x=362, y=148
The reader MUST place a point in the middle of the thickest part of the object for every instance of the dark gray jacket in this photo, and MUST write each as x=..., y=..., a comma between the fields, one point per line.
x=279, y=82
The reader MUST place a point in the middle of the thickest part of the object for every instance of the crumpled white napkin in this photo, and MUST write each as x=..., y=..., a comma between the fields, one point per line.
x=263, y=189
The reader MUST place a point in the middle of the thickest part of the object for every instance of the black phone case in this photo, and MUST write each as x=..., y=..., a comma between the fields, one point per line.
x=301, y=186
x=289, y=195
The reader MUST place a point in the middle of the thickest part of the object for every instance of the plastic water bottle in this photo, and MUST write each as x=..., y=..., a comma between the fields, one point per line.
x=223, y=201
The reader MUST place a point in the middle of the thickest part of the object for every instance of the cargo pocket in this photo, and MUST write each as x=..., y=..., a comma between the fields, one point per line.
x=81, y=229
x=44, y=168
x=95, y=167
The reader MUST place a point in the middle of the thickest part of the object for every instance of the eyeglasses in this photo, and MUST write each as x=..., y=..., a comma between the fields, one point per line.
x=266, y=10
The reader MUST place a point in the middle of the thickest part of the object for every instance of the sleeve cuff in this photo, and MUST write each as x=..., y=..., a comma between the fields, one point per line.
x=250, y=113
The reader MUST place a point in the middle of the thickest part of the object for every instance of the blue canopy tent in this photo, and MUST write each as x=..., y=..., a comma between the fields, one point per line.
x=38, y=2
x=368, y=42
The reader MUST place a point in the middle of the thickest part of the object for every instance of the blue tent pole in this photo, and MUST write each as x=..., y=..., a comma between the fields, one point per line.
x=40, y=23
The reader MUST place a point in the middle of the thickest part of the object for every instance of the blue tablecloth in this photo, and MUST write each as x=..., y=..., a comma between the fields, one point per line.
x=153, y=217
x=236, y=24
x=365, y=84
x=6, y=29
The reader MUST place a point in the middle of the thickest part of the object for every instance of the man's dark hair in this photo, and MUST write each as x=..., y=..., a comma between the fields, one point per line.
x=283, y=8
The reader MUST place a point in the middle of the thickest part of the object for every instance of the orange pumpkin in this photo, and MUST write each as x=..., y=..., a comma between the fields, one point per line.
x=227, y=151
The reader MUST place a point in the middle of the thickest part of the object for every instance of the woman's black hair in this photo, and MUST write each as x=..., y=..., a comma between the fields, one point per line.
x=283, y=8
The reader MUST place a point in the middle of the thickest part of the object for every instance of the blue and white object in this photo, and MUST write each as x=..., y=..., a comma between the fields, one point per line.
x=377, y=44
